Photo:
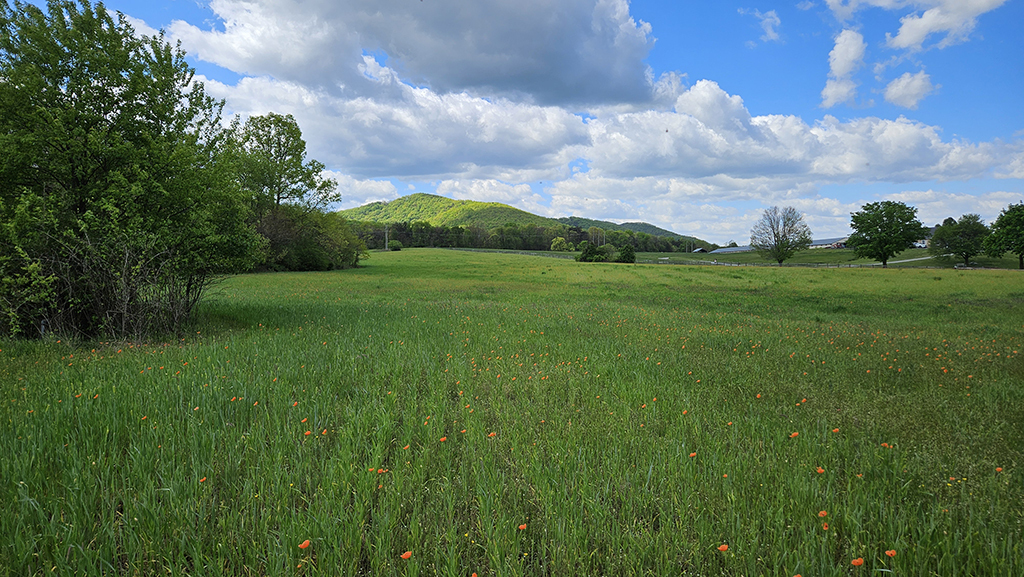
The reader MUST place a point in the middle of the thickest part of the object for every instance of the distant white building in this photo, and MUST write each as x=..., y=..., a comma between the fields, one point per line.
x=838, y=242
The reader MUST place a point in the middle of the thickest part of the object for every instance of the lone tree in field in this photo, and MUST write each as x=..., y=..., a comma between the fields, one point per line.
x=1008, y=234
x=884, y=229
x=780, y=233
x=117, y=208
x=963, y=239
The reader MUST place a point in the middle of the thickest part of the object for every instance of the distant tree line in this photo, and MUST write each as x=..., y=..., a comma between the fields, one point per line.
x=513, y=236
x=881, y=230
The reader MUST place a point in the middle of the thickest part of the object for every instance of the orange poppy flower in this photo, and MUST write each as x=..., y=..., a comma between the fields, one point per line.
x=491, y=434
x=405, y=448
x=793, y=434
x=723, y=547
x=443, y=439
x=407, y=555
x=820, y=470
x=309, y=432
x=822, y=513
x=202, y=480
x=824, y=527
x=891, y=552
x=693, y=454
x=304, y=544
x=835, y=430
x=522, y=527
x=857, y=562
x=999, y=469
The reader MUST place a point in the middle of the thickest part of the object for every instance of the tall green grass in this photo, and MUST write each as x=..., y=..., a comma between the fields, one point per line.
x=435, y=402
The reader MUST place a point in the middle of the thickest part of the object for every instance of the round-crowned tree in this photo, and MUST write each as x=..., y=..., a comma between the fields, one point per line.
x=780, y=233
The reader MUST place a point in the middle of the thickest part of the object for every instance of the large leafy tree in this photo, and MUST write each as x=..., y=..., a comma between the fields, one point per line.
x=270, y=156
x=289, y=196
x=1008, y=234
x=884, y=229
x=117, y=208
x=963, y=238
x=780, y=233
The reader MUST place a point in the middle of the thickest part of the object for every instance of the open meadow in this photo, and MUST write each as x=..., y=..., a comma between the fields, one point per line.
x=454, y=413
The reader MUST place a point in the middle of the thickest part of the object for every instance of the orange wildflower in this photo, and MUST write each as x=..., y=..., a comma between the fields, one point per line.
x=891, y=552
x=491, y=434
x=723, y=547
x=820, y=470
x=203, y=479
x=822, y=513
x=405, y=448
x=304, y=544
x=793, y=434
x=824, y=527
x=857, y=562
x=694, y=454
x=443, y=439
x=999, y=469
x=308, y=432
x=407, y=555
x=835, y=430
x=522, y=527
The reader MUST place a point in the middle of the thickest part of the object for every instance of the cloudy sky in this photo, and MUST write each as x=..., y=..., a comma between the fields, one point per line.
x=689, y=114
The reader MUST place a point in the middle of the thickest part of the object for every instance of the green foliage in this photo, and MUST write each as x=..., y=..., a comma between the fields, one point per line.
x=884, y=229
x=626, y=254
x=118, y=206
x=559, y=244
x=779, y=234
x=270, y=157
x=395, y=245
x=300, y=239
x=1008, y=234
x=964, y=238
x=591, y=252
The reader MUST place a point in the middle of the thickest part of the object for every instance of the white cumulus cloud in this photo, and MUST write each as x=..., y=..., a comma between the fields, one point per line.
x=551, y=52
x=845, y=58
x=908, y=90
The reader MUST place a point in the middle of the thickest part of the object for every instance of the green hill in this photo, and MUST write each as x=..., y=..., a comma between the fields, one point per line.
x=441, y=211
x=645, y=227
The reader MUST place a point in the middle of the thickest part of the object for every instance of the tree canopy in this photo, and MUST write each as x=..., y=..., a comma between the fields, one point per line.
x=1008, y=234
x=884, y=229
x=963, y=238
x=117, y=207
x=271, y=162
x=780, y=233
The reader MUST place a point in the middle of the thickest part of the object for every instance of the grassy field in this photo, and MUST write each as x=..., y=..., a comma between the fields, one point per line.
x=450, y=413
x=837, y=257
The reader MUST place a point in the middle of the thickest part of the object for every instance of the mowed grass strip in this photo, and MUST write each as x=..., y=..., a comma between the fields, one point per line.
x=448, y=413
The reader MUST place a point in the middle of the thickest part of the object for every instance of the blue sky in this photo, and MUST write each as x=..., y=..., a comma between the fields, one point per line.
x=694, y=116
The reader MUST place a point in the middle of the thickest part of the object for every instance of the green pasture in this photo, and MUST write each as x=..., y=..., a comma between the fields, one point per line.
x=513, y=415
x=917, y=257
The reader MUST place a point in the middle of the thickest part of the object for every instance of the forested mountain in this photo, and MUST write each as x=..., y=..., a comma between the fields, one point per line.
x=633, y=226
x=442, y=211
